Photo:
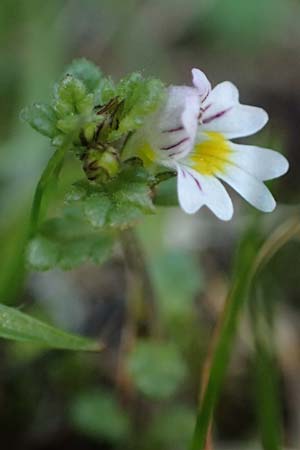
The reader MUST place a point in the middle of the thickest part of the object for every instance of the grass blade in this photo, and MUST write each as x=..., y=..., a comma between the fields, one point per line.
x=266, y=374
x=250, y=260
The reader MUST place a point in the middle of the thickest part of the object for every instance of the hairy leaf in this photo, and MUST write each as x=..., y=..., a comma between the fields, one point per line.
x=106, y=91
x=85, y=71
x=42, y=118
x=71, y=97
x=139, y=97
x=119, y=203
x=66, y=243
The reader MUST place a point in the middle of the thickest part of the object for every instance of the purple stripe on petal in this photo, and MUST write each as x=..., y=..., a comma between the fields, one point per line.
x=203, y=110
x=197, y=182
x=216, y=116
x=184, y=173
x=172, y=130
x=206, y=95
x=206, y=108
x=169, y=147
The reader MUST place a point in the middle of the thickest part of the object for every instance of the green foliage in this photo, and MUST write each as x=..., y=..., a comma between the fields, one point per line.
x=157, y=368
x=252, y=257
x=71, y=97
x=106, y=91
x=98, y=414
x=119, y=203
x=235, y=301
x=42, y=118
x=67, y=242
x=166, y=193
x=85, y=71
x=74, y=119
x=21, y=327
x=72, y=106
x=82, y=91
x=50, y=173
x=140, y=97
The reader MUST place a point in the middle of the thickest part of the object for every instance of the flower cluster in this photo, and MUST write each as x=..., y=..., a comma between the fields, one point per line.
x=190, y=133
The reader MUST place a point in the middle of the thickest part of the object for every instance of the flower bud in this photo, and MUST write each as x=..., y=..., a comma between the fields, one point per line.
x=101, y=165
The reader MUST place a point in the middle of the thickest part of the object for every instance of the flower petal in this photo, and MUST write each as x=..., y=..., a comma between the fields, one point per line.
x=223, y=113
x=201, y=82
x=264, y=164
x=216, y=197
x=196, y=190
x=189, y=190
x=236, y=121
x=171, y=130
x=225, y=93
x=250, y=188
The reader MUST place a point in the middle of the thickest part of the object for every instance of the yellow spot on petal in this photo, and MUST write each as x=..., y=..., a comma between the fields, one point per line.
x=147, y=154
x=212, y=155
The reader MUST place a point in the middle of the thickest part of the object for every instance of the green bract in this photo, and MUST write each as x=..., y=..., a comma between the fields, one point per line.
x=87, y=72
x=83, y=100
x=119, y=203
x=94, y=118
x=140, y=97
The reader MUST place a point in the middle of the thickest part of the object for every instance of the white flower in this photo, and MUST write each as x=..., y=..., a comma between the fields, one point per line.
x=190, y=134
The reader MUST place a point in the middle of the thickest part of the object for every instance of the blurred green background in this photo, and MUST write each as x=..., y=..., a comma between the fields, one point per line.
x=147, y=400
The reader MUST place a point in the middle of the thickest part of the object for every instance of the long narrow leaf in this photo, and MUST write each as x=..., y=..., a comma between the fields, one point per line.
x=18, y=326
x=234, y=304
x=250, y=261
x=266, y=374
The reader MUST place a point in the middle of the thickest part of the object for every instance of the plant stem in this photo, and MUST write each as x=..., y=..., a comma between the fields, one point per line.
x=141, y=311
x=50, y=173
x=141, y=299
x=206, y=373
